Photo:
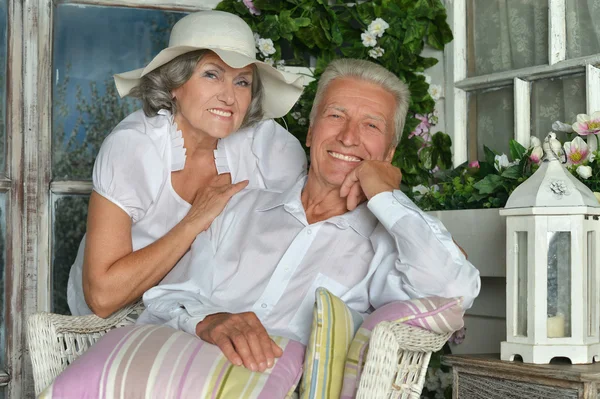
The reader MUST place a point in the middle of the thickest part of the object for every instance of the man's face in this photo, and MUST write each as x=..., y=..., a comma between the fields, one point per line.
x=354, y=123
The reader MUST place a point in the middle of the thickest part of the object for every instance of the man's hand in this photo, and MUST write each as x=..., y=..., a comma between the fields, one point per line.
x=242, y=339
x=369, y=179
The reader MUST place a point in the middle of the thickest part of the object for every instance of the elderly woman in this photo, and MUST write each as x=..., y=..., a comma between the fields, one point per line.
x=165, y=172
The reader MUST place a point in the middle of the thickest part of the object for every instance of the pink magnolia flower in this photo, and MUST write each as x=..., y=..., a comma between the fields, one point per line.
x=250, y=5
x=577, y=151
x=587, y=124
x=474, y=164
x=536, y=154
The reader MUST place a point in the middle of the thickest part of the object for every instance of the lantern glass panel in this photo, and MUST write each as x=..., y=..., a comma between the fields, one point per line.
x=592, y=293
x=521, y=274
x=559, y=284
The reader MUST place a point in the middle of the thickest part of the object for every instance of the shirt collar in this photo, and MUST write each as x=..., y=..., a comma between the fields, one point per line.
x=289, y=197
x=360, y=219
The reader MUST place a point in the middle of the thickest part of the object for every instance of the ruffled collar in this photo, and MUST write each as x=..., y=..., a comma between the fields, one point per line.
x=176, y=138
x=178, y=150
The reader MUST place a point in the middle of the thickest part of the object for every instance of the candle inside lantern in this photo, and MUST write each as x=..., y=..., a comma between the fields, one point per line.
x=556, y=326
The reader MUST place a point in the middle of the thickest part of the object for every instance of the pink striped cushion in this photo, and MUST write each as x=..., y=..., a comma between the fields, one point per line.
x=440, y=315
x=146, y=361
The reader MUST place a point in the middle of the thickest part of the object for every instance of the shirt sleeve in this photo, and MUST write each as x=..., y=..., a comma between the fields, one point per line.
x=176, y=301
x=129, y=172
x=266, y=155
x=417, y=255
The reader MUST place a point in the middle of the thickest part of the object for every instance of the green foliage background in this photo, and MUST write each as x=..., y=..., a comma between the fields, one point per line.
x=327, y=30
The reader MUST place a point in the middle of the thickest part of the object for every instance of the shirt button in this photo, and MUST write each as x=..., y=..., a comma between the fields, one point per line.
x=187, y=319
x=394, y=202
x=264, y=305
x=286, y=269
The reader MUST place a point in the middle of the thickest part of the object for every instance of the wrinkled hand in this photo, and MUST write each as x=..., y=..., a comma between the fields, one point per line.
x=369, y=179
x=211, y=200
x=242, y=339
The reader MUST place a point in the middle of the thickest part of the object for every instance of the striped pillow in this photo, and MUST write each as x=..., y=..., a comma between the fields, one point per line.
x=147, y=361
x=333, y=327
x=440, y=315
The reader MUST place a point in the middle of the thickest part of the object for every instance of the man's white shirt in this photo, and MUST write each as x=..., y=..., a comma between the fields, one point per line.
x=262, y=255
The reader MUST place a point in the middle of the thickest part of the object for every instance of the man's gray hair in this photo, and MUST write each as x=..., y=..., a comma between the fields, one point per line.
x=370, y=72
x=155, y=87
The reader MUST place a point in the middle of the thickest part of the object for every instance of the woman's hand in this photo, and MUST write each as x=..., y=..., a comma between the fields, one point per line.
x=211, y=200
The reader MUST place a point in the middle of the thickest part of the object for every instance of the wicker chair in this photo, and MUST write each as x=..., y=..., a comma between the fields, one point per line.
x=395, y=366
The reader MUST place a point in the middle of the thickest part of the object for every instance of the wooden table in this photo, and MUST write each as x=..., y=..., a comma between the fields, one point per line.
x=488, y=377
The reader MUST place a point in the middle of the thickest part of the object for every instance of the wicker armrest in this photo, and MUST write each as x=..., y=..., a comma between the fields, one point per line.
x=397, y=361
x=55, y=341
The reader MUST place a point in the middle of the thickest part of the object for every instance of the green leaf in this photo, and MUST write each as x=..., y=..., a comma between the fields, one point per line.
x=490, y=155
x=489, y=184
x=513, y=172
x=302, y=22
x=517, y=151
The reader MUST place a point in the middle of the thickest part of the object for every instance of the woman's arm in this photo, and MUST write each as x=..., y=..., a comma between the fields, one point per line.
x=113, y=274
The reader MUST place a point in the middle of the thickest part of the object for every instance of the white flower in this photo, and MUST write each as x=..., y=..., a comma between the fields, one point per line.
x=256, y=38
x=269, y=61
x=436, y=92
x=377, y=27
x=501, y=162
x=421, y=190
x=559, y=126
x=368, y=39
x=585, y=172
x=445, y=378
x=296, y=115
x=266, y=47
x=432, y=382
x=302, y=121
x=534, y=142
x=280, y=64
x=376, y=52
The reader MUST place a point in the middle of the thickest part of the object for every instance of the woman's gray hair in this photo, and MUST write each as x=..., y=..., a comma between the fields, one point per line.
x=155, y=88
x=370, y=72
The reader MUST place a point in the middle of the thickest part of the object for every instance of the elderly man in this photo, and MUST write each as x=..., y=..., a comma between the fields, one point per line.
x=254, y=272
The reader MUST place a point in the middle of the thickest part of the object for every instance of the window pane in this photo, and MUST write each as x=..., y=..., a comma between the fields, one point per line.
x=3, y=69
x=583, y=31
x=556, y=99
x=491, y=121
x=3, y=197
x=559, y=284
x=506, y=34
x=69, y=220
x=90, y=45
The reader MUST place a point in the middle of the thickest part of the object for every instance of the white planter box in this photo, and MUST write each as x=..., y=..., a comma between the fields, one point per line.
x=482, y=234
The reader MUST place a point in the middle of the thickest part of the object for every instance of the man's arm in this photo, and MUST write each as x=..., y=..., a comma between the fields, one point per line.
x=422, y=258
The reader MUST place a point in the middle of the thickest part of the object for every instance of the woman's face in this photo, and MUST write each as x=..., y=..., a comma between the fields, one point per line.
x=214, y=101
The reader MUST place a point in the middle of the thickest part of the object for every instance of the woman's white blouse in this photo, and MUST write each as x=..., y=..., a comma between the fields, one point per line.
x=133, y=171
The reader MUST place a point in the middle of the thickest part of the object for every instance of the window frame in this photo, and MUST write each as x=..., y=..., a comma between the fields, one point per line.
x=459, y=85
x=29, y=167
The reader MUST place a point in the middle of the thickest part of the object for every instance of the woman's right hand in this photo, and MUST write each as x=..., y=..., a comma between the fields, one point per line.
x=211, y=200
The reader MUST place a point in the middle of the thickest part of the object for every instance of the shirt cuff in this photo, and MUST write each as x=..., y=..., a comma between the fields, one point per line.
x=189, y=323
x=389, y=207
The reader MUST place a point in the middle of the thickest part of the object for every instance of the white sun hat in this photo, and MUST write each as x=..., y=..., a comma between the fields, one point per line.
x=232, y=40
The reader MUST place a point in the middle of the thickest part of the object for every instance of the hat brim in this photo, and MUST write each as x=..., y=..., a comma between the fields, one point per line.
x=281, y=89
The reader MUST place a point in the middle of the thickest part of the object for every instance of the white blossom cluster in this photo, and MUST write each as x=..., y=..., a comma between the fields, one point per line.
x=267, y=49
x=369, y=37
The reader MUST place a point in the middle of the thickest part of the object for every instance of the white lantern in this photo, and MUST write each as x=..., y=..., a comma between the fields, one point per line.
x=552, y=266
